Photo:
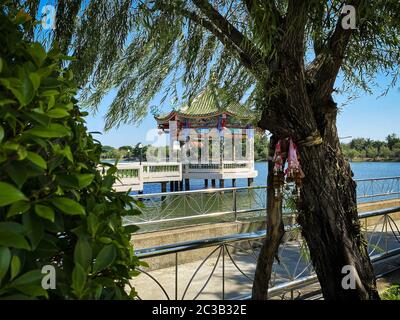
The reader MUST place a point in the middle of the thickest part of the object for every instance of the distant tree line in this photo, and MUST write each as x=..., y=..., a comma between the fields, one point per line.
x=360, y=149
x=132, y=153
x=261, y=143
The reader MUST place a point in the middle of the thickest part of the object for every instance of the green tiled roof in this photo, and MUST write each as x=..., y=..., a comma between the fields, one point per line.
x=211, y=101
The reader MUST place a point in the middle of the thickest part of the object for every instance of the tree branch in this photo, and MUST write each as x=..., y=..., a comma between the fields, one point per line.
x=322, y=72
x=248, y=52
x=295, y=23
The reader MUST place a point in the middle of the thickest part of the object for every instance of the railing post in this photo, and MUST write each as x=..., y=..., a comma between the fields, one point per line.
x=386, y=230
x=235, y=205
x=223, y=271
x=176, y=276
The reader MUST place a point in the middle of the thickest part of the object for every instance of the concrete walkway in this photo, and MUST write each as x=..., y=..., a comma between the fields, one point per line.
x=219, y=277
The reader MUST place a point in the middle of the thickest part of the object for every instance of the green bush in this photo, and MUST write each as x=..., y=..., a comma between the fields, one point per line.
x=55, y=206
x=393, y=293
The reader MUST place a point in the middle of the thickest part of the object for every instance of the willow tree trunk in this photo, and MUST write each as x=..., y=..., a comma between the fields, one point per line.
x=275, y=231
x=327, y=210
x=329, y=219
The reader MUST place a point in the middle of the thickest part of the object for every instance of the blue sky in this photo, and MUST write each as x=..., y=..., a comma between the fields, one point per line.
x=369, y=116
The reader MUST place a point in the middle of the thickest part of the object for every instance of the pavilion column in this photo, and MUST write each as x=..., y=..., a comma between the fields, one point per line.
x=187, y=184
x=163, y=189
x=205, y=183
x=171, y=186
x=212, y=183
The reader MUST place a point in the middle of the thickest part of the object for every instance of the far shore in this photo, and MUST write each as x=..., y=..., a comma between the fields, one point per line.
x=265, y=160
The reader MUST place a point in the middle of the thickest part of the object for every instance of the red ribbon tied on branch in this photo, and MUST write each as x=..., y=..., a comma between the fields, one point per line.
x=293, y=168
x=278, y=159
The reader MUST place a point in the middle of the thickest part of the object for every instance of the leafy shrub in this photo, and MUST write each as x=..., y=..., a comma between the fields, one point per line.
x=55, y=206
x=393, y=293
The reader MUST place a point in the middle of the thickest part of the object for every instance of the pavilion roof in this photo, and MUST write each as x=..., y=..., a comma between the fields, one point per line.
x=210, y=102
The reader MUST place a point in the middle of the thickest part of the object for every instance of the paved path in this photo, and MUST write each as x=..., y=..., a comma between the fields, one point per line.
x=204, y=279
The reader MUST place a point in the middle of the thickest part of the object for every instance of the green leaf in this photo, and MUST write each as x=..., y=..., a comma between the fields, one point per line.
x=83, y=253
x=37, y=53
x=5, y=258
x=105, y=258
x=37, y=159
x=57, y=113
x=9, y=194
x=18, y=207
x=4, y=102
x=131, y=228
x=35, y=79
x=15, y=267
x=18, y=172
x=68, y=154
x=22, y=153
x=78, y=280
x=54, y=130
x=1, y=133
x=93, y=224
x=51, y=103
x=49, y=93
x=13, y=239
x=34, y=229
x=84, y=179
x=68, y=206
x=44, y=212
x=30, y=283
x=14, y=85
x=26, y=89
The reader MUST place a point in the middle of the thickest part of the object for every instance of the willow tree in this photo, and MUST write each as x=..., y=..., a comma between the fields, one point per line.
x=282, y=57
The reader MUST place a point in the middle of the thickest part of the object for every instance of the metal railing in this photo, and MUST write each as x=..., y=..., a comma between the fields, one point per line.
x=378, y=188
x=199, y=204
x=226, y=271
x=233, y=203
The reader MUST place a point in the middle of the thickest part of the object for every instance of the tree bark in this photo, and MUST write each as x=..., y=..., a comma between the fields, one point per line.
x=329, y=219
x=328, y=206
x=275, y=232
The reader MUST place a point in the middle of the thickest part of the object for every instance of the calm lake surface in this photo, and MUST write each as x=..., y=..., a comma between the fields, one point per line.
x=200, y=203
x=362, y=170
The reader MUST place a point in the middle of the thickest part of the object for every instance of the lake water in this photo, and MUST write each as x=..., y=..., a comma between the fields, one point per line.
x=362, y=170
x=202, y=203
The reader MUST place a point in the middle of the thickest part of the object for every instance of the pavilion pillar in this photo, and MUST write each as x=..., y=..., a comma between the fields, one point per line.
x=205, y=183
x=212, y=183
x=171, y=186
x=163, y=189
x=187, y=184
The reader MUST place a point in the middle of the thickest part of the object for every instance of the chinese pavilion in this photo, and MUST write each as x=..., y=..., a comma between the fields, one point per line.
x=212, y=136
